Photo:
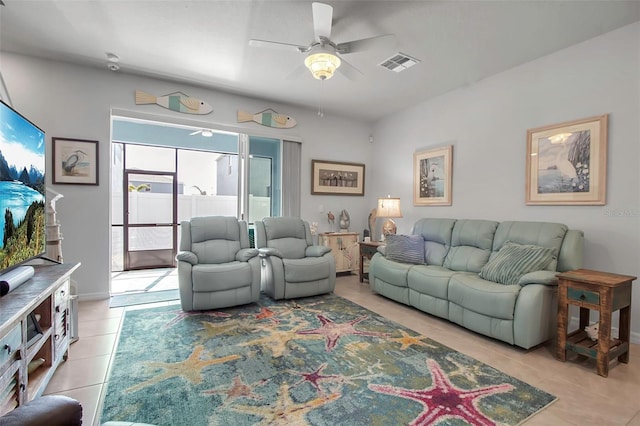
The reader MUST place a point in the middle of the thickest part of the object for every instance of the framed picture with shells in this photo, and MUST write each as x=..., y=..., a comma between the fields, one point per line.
x=336, y=178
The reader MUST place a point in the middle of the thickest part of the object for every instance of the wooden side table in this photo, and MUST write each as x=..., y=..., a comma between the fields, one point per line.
x=367, y=250
x=603, y=292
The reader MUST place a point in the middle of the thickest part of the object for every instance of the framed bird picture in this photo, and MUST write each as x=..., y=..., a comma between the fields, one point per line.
x=566, y=163
x=75, y=161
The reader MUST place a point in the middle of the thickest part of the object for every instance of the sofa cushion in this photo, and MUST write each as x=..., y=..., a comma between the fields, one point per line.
x=437, y=238
x=483, y=297
x=432, y=280
x=306, y=269
x=514, y=260
x=543, y=234
x=218, y=277
x=471, y=243
x=405, y=248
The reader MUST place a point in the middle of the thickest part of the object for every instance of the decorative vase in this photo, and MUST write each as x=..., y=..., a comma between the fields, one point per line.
x=344, y=220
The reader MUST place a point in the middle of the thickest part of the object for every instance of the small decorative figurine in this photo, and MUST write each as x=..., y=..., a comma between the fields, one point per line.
x=345, y=221
x=331, y=218
x=592, y=331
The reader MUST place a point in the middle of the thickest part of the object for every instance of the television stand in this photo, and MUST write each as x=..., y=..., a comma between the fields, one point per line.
x=34, y=334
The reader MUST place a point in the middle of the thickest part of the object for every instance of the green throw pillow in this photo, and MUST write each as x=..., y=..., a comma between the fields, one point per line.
x=514, y=260
x=405, y=248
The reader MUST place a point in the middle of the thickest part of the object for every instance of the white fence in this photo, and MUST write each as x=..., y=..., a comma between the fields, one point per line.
x=149, y=207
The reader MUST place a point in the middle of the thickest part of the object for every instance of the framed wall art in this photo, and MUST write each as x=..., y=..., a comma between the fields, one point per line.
x=335, y=178
x=432, y=174
x=567, y=163
x=75, y=161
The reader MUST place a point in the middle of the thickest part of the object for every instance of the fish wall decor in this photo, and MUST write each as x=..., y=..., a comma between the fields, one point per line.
x=269, y=118
x=176, y=101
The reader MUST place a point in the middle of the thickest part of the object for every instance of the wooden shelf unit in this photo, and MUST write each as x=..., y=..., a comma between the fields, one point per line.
x=46, y=294
x=594, y=291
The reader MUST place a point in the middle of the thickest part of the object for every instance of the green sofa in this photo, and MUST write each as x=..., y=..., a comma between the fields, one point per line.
x=448, y=281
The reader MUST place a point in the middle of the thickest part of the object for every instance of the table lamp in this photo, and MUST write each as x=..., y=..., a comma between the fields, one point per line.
x=388, y=208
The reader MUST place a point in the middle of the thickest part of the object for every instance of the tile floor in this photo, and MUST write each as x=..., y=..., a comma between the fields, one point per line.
x=584, y=397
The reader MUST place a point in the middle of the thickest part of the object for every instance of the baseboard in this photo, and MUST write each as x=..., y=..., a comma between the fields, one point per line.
x=634, y=338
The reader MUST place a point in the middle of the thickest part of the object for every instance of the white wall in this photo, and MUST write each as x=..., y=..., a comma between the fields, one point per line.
x=75, y=102
x=487, y=124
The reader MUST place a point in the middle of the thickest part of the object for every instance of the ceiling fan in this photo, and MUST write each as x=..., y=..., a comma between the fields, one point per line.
x=322, y=59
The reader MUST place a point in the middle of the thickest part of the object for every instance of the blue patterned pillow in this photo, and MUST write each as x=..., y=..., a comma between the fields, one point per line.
x=405, y=248
x=514, y=260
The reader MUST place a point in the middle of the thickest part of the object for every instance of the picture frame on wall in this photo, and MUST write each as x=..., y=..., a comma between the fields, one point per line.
x=75, y=161
x=337, y=178
x=432, y=177
x=566, y=163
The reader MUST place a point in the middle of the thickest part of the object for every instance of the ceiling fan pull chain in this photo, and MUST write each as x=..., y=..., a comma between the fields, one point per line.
x=320, y=105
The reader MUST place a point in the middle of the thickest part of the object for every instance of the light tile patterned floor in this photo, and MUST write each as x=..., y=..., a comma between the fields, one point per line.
x=584, y=397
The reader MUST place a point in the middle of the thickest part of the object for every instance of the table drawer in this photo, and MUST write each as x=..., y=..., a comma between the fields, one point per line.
x=9, y=345
x=62, y=294
x=592, y=297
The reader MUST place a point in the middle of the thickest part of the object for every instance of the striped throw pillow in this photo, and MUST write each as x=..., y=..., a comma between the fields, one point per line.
x=514, y=260
x=405, y=248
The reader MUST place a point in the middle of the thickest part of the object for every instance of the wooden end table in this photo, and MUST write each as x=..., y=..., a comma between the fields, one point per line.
x=367, y=250
x=599, y=291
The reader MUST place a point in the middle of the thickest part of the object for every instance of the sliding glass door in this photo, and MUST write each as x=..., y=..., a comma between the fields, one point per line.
x=162, y=175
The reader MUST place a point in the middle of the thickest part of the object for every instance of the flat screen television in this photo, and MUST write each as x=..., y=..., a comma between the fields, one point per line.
x=22, y=189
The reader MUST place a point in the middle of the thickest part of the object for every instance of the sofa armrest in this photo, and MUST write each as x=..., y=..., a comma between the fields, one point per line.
x=539, y=277
x=243, y=255
x=316, y=251
x=51, y=410
x=270, y=251
x=187, y=256
x=382, y=249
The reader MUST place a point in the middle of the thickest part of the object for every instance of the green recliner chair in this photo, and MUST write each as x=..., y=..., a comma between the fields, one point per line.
x=216, y=266
x=292, y=266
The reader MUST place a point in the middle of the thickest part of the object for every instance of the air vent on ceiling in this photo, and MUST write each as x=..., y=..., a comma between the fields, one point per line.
x=399, y=62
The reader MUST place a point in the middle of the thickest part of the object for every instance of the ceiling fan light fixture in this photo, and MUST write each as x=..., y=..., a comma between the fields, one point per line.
x=322, y=64
x=207, y=133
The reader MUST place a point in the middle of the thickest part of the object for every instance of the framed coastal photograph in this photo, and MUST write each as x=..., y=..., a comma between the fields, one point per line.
x=432, y=174
x=567, y=163
x=75, y=161
x=336, y=178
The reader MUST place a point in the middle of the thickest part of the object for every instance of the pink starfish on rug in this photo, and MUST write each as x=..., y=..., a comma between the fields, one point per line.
x=443, y=400
x=334, y=331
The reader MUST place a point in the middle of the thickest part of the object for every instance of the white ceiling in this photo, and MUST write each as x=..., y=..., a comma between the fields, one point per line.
x=206, y=42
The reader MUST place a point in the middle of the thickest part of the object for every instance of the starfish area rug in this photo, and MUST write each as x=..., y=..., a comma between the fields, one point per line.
x=314, y=361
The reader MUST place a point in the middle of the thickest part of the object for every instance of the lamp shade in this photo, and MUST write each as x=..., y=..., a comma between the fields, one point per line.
x=388, y=207
x=322, y=63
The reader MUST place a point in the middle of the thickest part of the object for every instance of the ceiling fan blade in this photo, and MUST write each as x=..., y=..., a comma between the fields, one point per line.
x=195, y=133
x=382, y=41
x=322, y=17
x=297, y=73
x=349, y=71
x=277, y=45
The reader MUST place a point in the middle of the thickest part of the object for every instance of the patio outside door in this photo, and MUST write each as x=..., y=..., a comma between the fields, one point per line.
x=150, y=226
